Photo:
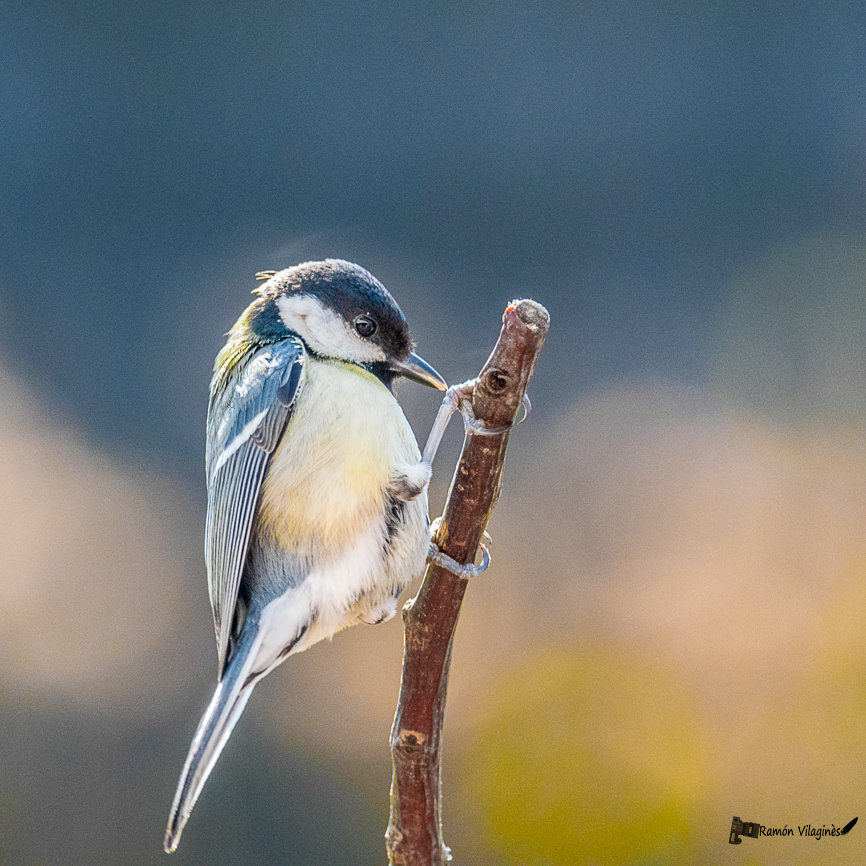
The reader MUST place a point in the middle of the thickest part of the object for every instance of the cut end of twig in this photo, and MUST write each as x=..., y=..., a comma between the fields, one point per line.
x=532, y=314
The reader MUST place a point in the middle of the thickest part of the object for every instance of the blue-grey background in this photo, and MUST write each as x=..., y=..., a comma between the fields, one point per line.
x=681, y=184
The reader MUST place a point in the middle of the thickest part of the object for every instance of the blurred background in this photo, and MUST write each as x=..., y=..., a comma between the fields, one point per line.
x=672, y=630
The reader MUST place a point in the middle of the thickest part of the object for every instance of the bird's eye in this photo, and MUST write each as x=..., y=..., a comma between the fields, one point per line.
x=365, y=326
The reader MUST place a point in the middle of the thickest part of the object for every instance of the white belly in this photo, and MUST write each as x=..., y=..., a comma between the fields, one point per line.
x=323, y=500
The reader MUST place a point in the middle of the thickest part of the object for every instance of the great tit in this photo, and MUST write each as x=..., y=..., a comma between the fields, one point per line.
x=317, y=494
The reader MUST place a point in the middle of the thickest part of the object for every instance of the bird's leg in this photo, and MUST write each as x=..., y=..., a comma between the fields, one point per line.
x=458, y=398
x=409, y=482
x=450, y=404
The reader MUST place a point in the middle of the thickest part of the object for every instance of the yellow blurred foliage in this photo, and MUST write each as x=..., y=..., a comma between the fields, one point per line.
x=584, y=752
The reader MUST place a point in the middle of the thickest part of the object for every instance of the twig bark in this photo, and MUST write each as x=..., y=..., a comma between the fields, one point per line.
x=414, y=836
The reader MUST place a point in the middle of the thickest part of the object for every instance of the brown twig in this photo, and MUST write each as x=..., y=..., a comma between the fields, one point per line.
x=414, y=836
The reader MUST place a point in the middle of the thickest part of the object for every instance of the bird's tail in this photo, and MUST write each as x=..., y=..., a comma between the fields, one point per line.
x=219, y=720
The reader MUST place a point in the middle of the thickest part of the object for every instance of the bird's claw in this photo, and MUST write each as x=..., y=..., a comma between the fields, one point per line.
x=437, y=557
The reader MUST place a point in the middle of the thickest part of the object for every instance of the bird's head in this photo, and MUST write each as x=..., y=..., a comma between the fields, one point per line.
x=340, y=311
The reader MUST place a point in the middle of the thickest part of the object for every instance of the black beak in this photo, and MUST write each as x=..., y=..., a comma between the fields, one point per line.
x=417, y=369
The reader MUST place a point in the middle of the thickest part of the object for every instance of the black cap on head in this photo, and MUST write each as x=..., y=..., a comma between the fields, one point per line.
x=352, y=292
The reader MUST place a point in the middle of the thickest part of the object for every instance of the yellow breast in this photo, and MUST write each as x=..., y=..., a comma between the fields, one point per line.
x=326, y=480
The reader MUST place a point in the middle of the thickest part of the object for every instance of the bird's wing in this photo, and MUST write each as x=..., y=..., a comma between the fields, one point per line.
x=247, y=415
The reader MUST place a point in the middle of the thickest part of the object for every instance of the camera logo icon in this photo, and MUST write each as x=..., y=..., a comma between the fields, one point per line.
x=743, y=828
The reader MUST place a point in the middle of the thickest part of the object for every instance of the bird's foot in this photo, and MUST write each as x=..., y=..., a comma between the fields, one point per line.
x=437, y=557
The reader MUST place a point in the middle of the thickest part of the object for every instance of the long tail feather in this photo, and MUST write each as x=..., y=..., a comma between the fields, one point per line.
x=214, y=729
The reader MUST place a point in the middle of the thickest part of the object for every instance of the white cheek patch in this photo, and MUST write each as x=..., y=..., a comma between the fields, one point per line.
x=324, y=331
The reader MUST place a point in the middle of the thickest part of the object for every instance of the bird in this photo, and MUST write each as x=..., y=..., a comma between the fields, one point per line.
x=317, y=493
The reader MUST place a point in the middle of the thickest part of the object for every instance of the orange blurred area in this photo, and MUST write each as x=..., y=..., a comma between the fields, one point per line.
x=95, y=564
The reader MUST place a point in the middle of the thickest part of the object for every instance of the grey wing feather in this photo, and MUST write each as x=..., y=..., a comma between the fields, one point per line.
x=248, y=412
